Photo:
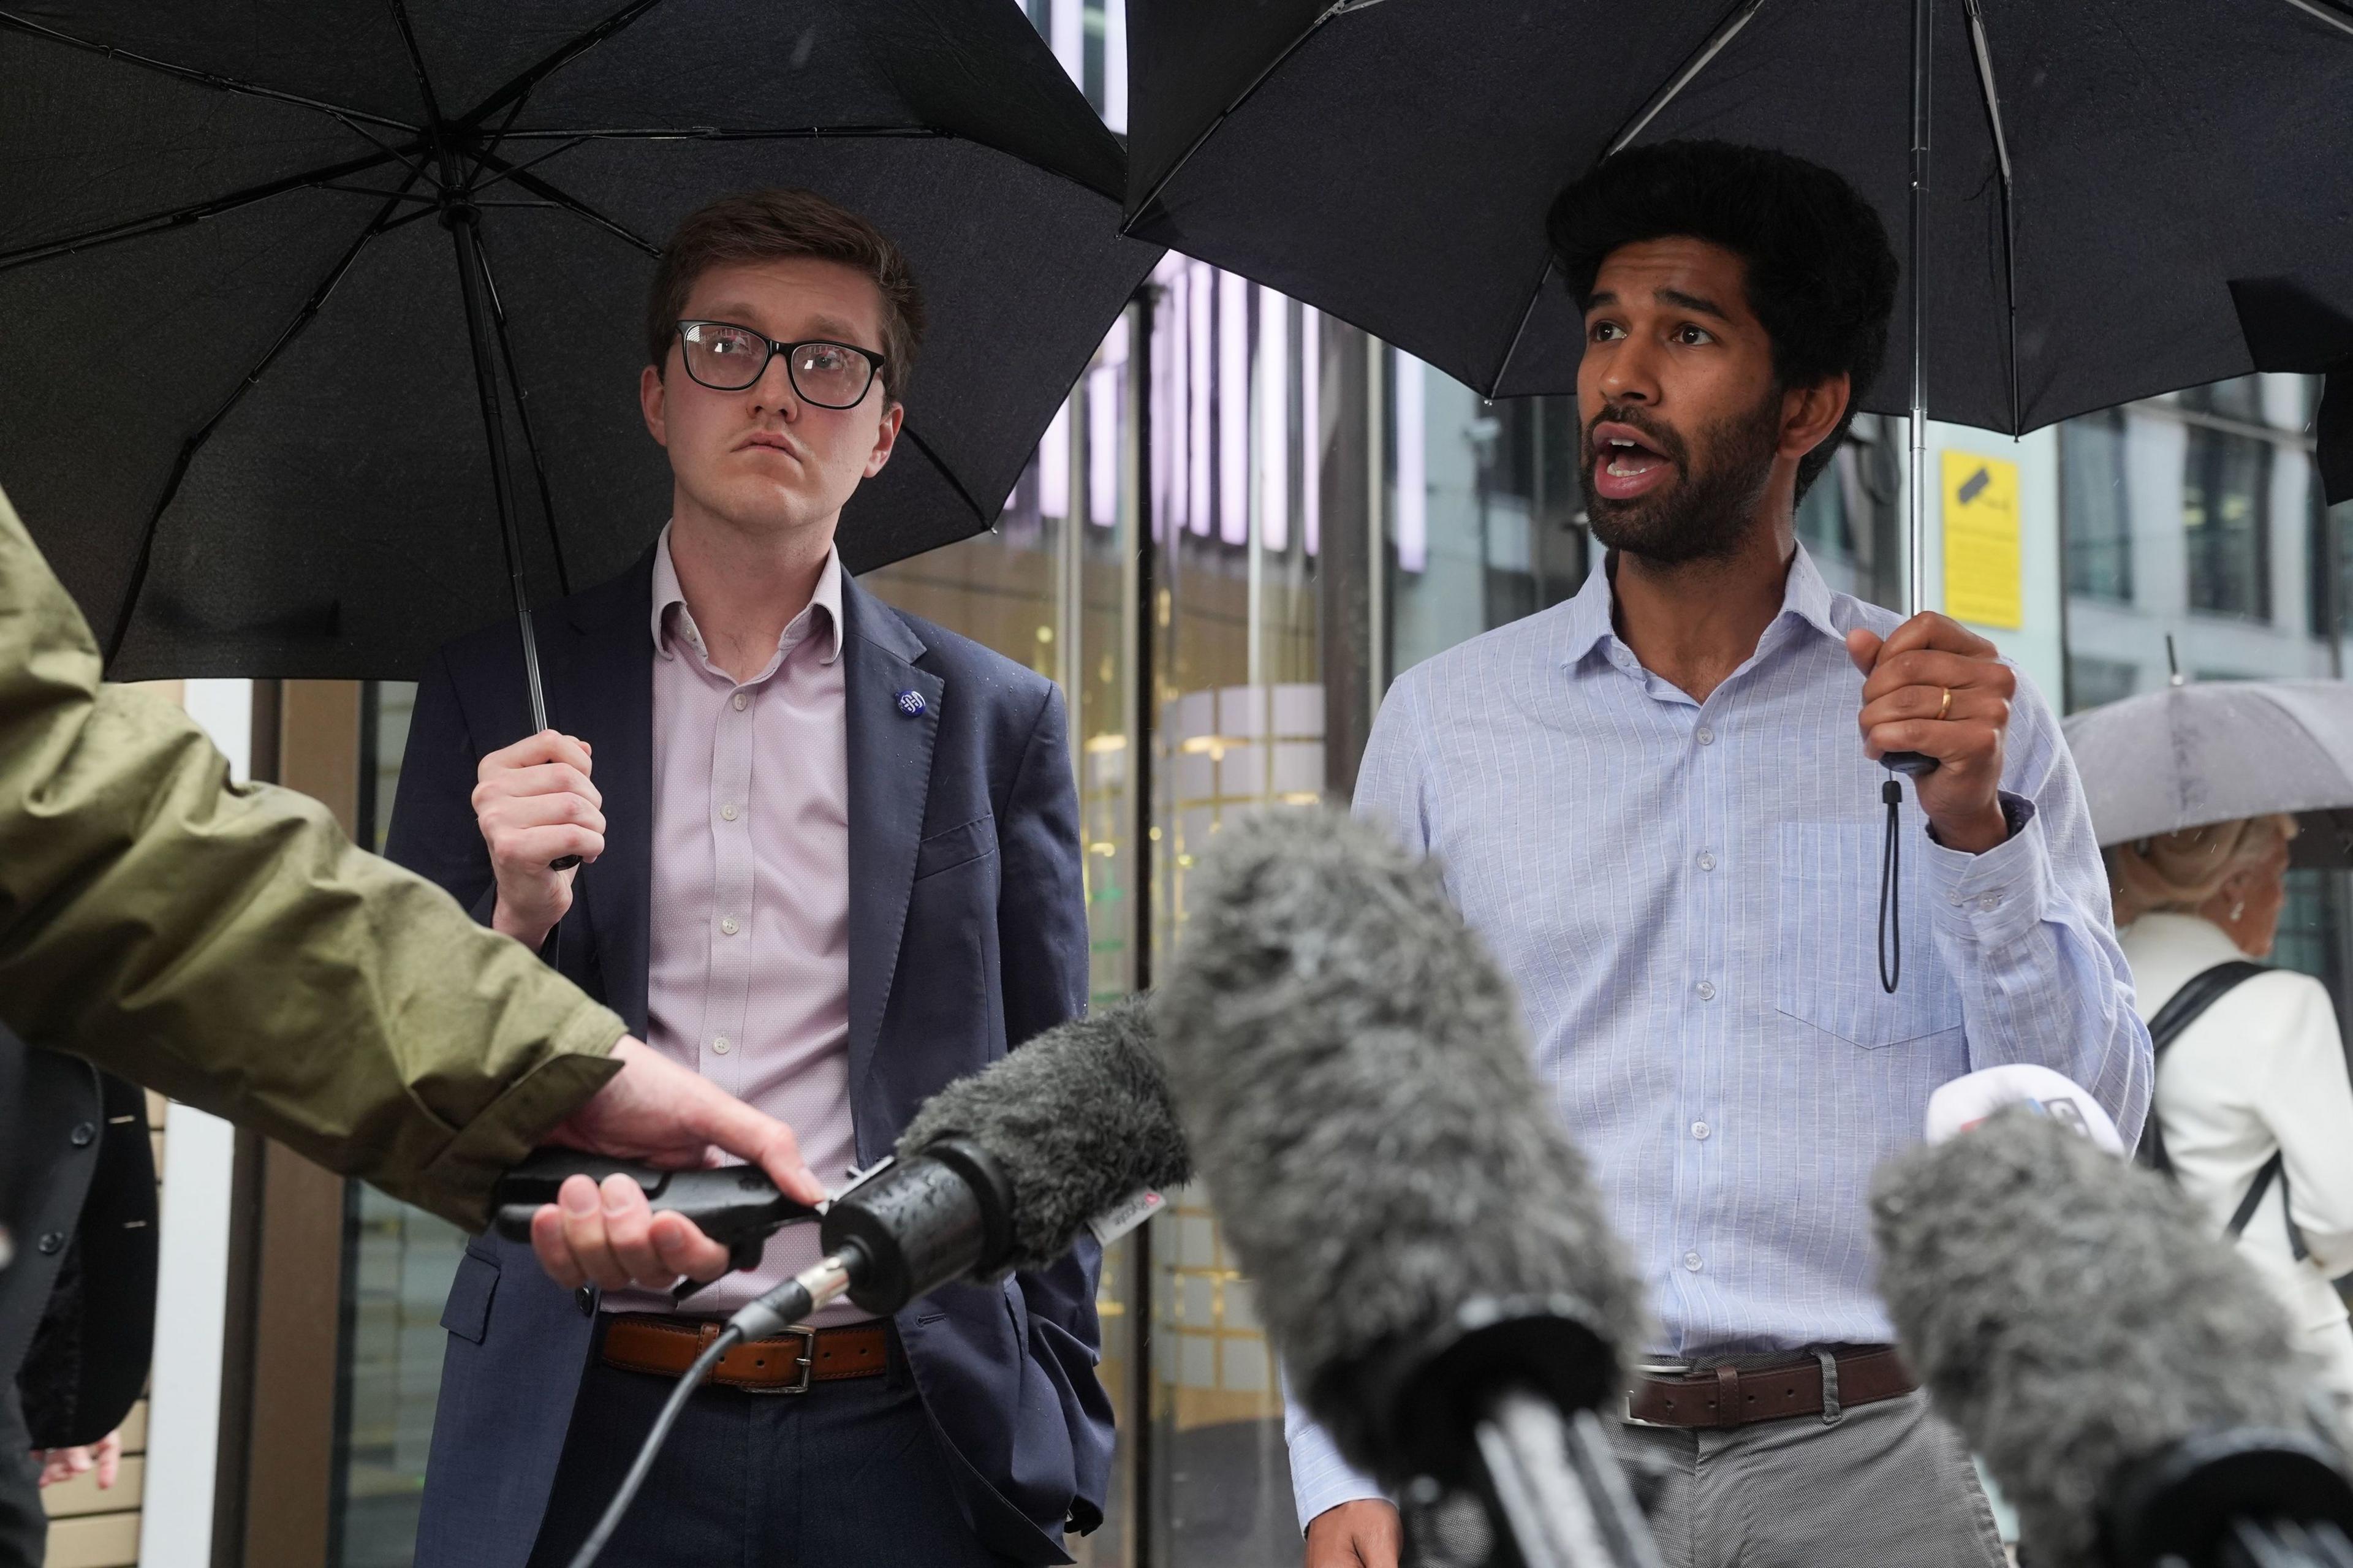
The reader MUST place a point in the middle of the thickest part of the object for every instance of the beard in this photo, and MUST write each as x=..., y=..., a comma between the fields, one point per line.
x=1703, y=512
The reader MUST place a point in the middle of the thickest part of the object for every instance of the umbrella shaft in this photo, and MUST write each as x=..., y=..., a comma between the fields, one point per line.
x=462, y=232
x=1924, y=29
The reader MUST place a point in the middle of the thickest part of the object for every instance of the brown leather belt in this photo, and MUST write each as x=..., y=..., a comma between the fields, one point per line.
x=787, y=1364
x=1731, y=1396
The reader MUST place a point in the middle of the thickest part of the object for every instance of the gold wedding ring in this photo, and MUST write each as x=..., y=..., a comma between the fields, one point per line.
x=1946, y=705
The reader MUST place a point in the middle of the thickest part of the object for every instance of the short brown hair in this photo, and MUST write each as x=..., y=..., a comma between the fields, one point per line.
x=769, y=225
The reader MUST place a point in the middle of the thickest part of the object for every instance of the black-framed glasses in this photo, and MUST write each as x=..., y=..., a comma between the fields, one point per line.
x=725, y=357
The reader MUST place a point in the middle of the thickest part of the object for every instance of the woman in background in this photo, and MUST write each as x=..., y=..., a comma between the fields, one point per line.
x=2259, y=1071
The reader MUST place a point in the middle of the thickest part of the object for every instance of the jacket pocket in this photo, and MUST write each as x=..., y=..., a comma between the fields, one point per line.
x=1827, y=949
x=466, y=1313
x=956, y=847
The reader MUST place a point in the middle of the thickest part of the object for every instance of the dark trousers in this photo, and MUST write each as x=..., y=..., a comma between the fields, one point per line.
x=848, y=1475
x=24, y=1526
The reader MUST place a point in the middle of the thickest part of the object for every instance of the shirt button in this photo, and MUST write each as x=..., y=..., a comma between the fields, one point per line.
x=1700, y=1130
x=1706, y=736
x=742, y=702
x=728, y=927
x=722, y=1044
x=727, y=812
x=1690, y=1261
x=1707, y=860
x=1991, y=903
x=1706, y=989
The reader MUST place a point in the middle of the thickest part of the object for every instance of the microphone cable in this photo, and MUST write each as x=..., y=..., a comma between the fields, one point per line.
x=729, y=1338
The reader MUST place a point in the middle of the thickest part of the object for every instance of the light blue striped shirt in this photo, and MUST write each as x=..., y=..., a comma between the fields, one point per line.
x=1686, y=895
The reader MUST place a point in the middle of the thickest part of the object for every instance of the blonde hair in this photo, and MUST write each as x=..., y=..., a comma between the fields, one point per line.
x=2180, y=871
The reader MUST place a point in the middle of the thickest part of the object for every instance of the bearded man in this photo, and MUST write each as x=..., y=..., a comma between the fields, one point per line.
x=1653, y=802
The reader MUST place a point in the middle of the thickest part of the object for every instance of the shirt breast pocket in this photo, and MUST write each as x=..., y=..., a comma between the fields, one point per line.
x=1827, y=943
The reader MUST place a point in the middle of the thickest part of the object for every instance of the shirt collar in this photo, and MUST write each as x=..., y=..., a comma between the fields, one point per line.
x=667, y=593
x=1804, y=595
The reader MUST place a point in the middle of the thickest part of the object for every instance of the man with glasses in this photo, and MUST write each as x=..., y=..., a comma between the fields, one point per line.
x=827, y=856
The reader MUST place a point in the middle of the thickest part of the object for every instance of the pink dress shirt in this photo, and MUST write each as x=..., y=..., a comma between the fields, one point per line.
x=748, y=979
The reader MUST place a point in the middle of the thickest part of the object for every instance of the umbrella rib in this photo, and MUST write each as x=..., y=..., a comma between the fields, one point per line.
x=2325, y=13
x=200, y=78
x=417, y=65
x=2009, y=211
x=726, y=133
x=1526, y=315
x=413, y=166
x=519, y=87
x=132, y=228
x=947, y=473
x=204, y=432
x=478, y=184
x=574, y=205
x=523, y=416
x=1337, y=8
x=1739, y=16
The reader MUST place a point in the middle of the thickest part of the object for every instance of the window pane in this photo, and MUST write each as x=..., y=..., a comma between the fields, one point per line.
x=1486, y=515
x=2093, y=682
x=2241, y=398
x=2226, y=520
x=398, y=1262
x=2094, y=507
x=1240, y=725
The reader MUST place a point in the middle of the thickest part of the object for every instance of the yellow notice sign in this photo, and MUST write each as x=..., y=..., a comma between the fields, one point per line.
x=1982, y=583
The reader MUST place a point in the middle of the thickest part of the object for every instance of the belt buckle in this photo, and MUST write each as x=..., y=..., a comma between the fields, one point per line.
x=806, y=1360
x=1626, y=1413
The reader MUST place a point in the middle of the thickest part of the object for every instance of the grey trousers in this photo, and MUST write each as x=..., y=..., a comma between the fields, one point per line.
x=1888, y=1484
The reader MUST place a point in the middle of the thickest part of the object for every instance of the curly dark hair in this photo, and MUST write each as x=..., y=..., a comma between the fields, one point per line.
x=1821, y=276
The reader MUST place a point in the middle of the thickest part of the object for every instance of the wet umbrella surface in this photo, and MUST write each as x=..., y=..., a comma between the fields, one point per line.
x=2185, y=756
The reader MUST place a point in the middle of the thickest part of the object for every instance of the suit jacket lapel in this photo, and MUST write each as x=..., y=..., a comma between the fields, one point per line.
x=606, y=697
x=890, y=780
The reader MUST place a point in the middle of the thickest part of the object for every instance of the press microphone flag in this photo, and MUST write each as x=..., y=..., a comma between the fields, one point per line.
x=2128, y=1381
x=1429, y=1256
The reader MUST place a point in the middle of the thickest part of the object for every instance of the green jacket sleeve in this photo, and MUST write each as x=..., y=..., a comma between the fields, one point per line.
x=226, y=944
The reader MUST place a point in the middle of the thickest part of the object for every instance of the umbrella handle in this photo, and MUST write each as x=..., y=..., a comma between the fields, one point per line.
x=566, y=862
x=1910, y=764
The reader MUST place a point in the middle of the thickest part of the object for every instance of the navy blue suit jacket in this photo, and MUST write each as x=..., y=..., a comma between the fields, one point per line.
x=968, y=935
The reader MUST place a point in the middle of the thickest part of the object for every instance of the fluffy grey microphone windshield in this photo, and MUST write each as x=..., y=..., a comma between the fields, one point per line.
x=1077, y=1118
x=2069, y=1312
x=1351, y=1070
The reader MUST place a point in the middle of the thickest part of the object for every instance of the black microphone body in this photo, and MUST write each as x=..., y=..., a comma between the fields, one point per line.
x=1002, y=1169
x=1430, y=1258
x=2129, y=1382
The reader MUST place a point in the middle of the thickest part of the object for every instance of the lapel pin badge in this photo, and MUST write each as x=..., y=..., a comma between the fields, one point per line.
x=911, y=703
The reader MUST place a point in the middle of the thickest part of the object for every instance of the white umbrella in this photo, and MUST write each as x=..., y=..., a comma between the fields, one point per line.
x=2184, y=756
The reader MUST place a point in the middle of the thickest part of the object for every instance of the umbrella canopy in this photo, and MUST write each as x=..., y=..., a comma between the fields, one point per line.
x=239, y=395
x=2184, y=756
x=1391, y=163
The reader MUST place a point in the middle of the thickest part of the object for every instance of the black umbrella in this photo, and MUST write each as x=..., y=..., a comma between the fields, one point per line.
x=2103, y=168
x=323, y=321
